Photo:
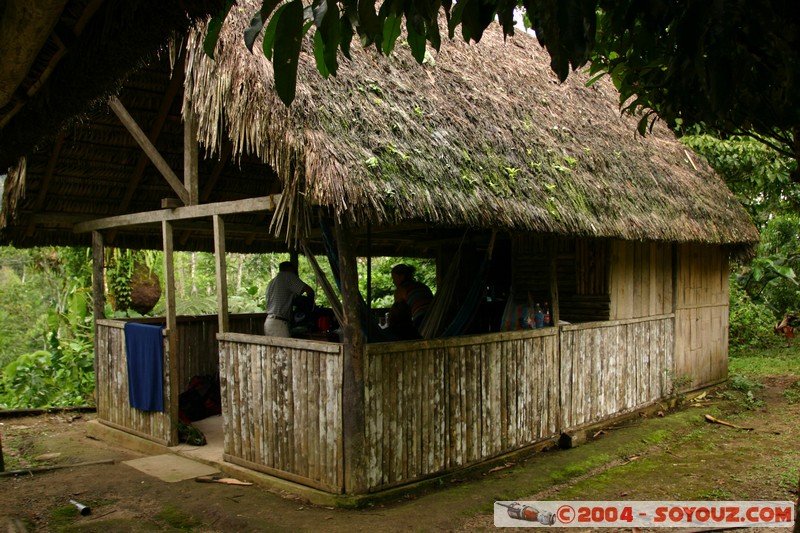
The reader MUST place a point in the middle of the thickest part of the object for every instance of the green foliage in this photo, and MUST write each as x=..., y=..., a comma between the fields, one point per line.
x=58, y=378
x=719, y=65
x=21, y=312
x=750, y=324
x=742, y=390
x=382, y=289
x=759, y=175
x=770, y=279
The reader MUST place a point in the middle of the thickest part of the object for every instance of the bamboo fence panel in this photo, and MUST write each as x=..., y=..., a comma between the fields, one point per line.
x=438, y=405
x=282, y=407
x=609, y=368
x=701, y=316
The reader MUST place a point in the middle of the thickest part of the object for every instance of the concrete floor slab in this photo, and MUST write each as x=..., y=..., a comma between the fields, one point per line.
x=171, y=468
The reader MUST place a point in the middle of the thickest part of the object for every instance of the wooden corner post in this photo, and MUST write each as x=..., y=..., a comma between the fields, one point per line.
x=98, y=288
x=353, y=423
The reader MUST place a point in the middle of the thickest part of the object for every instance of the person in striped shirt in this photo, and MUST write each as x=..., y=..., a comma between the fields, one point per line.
x=416, y=294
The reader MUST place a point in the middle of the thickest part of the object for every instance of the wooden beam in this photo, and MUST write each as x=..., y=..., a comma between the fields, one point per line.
x=250, y=205
x=222, y=273
x=171, y=364
x=552, y=258
x=149, y=149
x=175, y=85
x=190, y=164
x=353, y=410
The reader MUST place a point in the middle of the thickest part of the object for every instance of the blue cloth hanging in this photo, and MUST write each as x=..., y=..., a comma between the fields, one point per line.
x=144, y=344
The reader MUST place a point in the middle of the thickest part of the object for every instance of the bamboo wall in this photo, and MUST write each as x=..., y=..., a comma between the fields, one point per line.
x=582, y=272
x=701, y=316
x=281, y=406
x=609, y=368
x=433, y=406
x=111, y=392
x=641, y=279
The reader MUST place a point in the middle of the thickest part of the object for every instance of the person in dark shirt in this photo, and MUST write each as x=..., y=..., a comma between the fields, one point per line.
x=399, y=326
x=415, y=294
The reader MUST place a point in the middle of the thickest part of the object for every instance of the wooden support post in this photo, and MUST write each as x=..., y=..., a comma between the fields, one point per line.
x=98, y=288
x=171, y=364
x=353, y=423
x=552, y=257
x=222, y=274
x=190, y=165
x=555, y=314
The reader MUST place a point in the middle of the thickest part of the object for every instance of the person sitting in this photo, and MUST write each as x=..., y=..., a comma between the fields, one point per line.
x=416, y=294
x=399, y=326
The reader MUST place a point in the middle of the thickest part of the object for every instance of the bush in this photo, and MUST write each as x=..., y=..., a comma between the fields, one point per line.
x=751, y=325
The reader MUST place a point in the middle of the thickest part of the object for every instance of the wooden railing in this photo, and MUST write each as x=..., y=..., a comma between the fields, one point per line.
x=433, y=406
x=430, y=406
x=198, y=354
x=111, y=392
x=609, y=368
x=281, y=405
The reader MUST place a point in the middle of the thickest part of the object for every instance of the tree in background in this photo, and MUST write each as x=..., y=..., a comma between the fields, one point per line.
x=23, y=310
x=53, y=363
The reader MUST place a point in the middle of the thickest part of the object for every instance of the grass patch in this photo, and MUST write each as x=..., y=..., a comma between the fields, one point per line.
x=792, y=394
x=759, y=362
x=579, y=468
x=717, y=494
x=658, y=437
x=177, y=519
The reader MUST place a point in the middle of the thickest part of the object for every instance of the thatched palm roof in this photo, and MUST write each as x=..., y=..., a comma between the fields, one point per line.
x=481, y=136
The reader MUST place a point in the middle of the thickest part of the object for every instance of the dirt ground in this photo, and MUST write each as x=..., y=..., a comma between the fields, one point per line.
x=678, y=456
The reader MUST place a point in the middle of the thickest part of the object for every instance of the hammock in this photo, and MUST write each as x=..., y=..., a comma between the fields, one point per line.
x=469, y=309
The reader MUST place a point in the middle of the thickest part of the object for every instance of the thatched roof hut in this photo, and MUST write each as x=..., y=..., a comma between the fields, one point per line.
x=478, y=136
x=407, y=159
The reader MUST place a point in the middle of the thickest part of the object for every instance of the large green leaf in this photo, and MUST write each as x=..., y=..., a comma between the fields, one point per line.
x=391, y=31
x=269, y=34
x=288, y=38
x=416, y=41
x=329, y=33
x=214, y=27
x=257, y=22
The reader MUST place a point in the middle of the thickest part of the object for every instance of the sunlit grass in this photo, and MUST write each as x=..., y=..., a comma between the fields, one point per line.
x=759, y=362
